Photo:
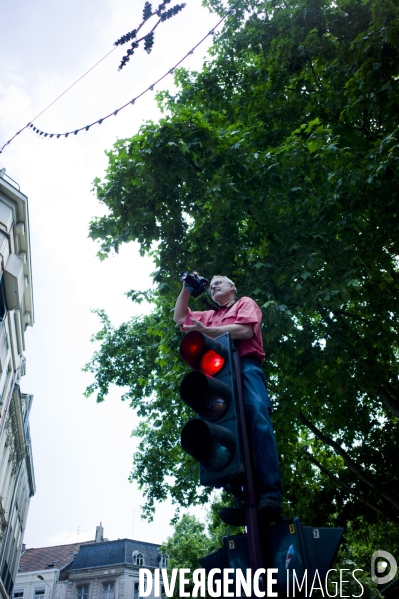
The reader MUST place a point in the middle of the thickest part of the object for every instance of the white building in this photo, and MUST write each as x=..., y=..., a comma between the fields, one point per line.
x=17, y=484
x=98, y=569
x=40, y=570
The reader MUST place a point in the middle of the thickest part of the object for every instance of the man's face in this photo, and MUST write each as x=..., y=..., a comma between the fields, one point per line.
x=221, y=291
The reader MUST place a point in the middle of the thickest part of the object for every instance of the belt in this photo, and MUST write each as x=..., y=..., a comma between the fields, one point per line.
x=251, y=358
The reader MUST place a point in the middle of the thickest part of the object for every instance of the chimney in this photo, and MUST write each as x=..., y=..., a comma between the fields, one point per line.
x=99, y=533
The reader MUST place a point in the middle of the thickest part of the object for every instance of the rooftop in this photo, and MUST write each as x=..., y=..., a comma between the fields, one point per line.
x=88, y=554
x=112, y=553
x=49, y=557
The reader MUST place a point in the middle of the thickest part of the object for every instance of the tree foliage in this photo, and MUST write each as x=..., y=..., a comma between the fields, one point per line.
x=192, y=539
x=277, y=165
x=188, y=544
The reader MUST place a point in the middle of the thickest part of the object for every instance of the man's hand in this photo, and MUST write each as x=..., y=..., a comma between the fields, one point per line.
x=196, y=326
x=237, y=331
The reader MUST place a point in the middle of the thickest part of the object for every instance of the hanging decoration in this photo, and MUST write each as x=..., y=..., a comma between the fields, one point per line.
x=124, y=39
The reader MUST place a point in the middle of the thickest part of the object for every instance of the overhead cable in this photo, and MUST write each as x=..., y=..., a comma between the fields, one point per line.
x=170, y=71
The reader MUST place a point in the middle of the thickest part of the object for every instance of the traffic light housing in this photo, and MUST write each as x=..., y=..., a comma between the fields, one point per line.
x=213, y=438
x=296, y=551
x=293, y=548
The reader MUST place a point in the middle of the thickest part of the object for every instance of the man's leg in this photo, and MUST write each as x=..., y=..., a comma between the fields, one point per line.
x=257, y=407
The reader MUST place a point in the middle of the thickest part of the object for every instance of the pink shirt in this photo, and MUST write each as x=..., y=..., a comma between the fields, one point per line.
x=243, y=311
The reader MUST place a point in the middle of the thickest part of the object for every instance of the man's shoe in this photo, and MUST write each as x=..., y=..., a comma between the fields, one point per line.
x=234, y=516
x=270, y=507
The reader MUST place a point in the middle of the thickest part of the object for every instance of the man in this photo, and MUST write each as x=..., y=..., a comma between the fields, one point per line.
x=242, y=319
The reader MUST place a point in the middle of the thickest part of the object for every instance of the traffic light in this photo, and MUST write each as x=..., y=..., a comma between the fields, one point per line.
x=298, y=554
x=214, y=438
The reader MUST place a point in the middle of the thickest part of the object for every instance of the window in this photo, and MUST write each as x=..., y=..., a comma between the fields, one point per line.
x=3, y=304
x=39, y=593
x=138, y=558
x=163, y=561
x=136, y=591
x=18, y=594
x=108, y=590
x=83, y=592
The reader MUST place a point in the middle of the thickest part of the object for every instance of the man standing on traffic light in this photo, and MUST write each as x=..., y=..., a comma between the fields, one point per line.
x=242, y=319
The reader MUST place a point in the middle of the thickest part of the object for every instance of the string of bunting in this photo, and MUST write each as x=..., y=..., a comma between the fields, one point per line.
x=115, y=112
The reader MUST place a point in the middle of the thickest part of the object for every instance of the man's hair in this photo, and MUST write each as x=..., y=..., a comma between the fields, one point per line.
x=227, y=280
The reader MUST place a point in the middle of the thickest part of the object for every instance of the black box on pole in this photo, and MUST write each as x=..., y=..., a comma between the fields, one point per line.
x=296, y=551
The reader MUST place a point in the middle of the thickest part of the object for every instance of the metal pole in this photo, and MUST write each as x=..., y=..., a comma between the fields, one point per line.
x=251, y=510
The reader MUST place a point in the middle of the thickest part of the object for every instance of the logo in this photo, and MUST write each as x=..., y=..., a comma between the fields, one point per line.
x=380, y=561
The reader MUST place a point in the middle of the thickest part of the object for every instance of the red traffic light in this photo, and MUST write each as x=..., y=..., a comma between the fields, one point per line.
x=203, y=353
x=210, y=389
x=211, y=363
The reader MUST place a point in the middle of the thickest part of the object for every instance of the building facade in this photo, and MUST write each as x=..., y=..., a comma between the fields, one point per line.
x=17, y=483
x=98, y=569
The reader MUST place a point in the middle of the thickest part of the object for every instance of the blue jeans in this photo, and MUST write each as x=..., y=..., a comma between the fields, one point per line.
x=258, y=409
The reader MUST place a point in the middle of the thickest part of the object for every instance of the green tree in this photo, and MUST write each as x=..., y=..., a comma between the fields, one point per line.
x=191, y=540
x=276, y=165
x=188, y=544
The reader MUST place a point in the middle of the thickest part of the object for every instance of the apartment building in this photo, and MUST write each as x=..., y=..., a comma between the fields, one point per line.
x=98, y=569
x=17, y=483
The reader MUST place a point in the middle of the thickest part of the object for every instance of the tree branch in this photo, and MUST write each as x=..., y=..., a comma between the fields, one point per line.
x=337, y=480
x=317, y=78
x=338, y=449
x=392, y=390
x=355, y=316
x=350, y=463
x=388, y=402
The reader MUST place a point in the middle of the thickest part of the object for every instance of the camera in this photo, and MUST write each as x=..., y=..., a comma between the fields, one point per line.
x=195, y=284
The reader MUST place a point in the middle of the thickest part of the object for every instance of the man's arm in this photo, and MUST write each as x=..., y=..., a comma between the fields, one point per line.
x=181, y=306
x=237, y=331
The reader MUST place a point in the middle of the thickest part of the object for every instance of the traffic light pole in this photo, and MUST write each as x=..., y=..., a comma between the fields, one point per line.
x=251, y=509
x=218, y=439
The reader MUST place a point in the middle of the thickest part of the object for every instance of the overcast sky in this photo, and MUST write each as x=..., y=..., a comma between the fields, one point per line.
x=82, y=451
